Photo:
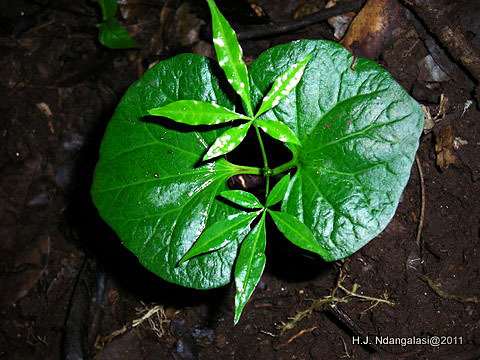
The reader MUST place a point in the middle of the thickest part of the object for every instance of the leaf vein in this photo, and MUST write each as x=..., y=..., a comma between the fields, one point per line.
x=355, y=134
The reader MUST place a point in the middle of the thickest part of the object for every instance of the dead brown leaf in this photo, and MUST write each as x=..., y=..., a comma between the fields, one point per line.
x=307, y=7
x=377, y=26
x=444, y=147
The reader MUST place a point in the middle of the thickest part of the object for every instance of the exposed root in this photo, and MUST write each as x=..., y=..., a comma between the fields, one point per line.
x=155, y=316
x=345, y=348
x=297, y=335
x=333, y=298
x=431, y=284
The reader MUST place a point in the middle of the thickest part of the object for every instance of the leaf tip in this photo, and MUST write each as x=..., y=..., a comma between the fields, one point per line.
x=236, y=317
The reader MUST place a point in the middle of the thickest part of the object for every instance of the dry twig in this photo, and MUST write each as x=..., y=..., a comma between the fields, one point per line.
x=305, y=21
x=422, y=208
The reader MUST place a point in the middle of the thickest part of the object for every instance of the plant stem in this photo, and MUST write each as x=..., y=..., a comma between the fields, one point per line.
x=248, y=170
x=266, y=169
x=284, y=167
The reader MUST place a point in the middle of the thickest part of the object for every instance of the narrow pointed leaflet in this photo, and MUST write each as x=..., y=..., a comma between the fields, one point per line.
x=230, y=56
x=278, y=191
x=249, y=266
x=194, y=112
x=228, y=141
x=242, y=198
x=277, y=130
x=283, y=85
x=296, y=232
x=219, y=235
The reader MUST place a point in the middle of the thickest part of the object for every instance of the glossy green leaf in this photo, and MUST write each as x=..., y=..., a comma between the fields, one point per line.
x=111, y=34
x=194, y=112
x=148, y=184
x=283, y=86
x=230, y=56
x=228, y=141
x=242, y=198
x=278, y=130
x=278, y=192
x=109, y=8
x=359, y=131
x=297, y=232
x=220, y=235
x=249, y=266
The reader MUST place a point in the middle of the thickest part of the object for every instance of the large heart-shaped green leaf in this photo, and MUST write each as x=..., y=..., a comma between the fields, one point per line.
x=359, y=132
x=149, y=184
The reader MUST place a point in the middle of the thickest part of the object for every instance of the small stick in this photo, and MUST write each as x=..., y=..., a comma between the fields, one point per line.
x=347, y=321
x=305, y=21
x=422, y=208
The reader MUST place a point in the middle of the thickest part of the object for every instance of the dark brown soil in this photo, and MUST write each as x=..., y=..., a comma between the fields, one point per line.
x=68, y=289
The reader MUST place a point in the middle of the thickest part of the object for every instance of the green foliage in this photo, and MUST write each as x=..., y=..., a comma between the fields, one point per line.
x=249, y=266
x=111, y=34
x=242, y=198
x=352, y=130
x=278, y=191
x=230, y=56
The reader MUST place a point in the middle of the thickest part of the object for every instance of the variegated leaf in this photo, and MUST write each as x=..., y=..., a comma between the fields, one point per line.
x=277, y=130
x=250, y=265
x=228, y=141
x=194, y=112
x=230, y=56
x=283, y=85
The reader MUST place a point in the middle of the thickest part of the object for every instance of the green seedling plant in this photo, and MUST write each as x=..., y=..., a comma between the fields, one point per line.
x=110, y=33
x=162, y=186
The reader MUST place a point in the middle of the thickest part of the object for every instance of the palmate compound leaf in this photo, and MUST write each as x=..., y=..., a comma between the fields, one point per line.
x=359, y=131
x=148, y=184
